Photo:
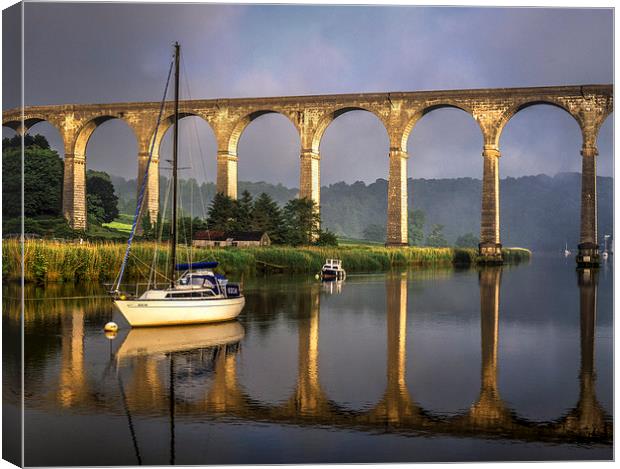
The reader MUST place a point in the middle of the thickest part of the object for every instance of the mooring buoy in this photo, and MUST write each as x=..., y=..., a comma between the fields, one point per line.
x=110, y=327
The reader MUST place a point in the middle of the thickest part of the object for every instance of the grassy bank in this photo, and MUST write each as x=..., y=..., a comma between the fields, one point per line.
x=49, y=261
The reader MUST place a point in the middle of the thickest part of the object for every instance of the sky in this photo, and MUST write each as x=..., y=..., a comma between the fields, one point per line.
x=90, y=53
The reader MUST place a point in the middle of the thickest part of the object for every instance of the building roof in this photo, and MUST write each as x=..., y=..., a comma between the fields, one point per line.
x=216, y=235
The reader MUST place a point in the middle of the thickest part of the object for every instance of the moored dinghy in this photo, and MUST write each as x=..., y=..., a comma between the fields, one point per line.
x=332, y=270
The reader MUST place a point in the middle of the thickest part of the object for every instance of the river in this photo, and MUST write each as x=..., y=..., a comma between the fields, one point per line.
x=498, y=364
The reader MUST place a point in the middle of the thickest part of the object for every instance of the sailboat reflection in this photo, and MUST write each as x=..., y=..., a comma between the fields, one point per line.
x=162, y=341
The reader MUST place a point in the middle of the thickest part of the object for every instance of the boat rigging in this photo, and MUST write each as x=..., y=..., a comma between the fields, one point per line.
x=198, y=295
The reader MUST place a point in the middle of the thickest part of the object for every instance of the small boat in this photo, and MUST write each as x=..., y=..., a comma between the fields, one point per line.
x=566, y=251
x=332, y=270
x=199, y=295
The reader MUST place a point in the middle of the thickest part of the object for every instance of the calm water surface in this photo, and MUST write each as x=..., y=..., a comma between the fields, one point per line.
x=510, y=363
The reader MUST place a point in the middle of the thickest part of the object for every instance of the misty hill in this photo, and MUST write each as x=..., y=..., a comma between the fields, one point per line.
x=538, y=212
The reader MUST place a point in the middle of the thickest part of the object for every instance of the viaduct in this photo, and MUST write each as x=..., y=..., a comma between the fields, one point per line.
x=399, y=112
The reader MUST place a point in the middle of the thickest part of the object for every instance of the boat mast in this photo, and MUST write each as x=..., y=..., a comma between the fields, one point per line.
x=175, y=149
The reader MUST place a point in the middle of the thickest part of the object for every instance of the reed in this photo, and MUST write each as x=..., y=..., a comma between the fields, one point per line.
x=50, y=261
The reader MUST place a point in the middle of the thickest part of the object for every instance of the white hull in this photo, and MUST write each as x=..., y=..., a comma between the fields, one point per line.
x=155, y=341
x=178, y=311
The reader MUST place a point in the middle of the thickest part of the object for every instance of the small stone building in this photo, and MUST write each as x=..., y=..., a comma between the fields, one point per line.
x=231, y=238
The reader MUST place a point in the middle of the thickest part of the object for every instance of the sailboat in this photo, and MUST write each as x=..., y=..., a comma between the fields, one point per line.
x=566, y=251
x=198, y=295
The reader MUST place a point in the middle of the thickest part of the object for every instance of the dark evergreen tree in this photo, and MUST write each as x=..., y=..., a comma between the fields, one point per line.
x=302, y=222
x=222, y=213
x=326, y=238
x=99, y=184
x=267, y=217
x=245, y=206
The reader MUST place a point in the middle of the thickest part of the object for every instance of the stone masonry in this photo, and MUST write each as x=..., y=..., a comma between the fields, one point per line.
x=311, y=115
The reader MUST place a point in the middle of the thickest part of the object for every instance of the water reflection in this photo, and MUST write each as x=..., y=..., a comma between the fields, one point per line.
x=190, y=373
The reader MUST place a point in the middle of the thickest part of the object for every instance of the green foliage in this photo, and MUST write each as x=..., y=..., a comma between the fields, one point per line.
x=468, y=240
x=149, y=230
x=435, y=237
x=101, y=199
x=267, y=217
x=302, y=222
x=29, y=140
x=43, y=174
x=540, y=212
x=244, y=208
x=375, y=232
x=326, y=238
x=39, y=266
x=417, y=218
x=95, y=209
x=222, y=213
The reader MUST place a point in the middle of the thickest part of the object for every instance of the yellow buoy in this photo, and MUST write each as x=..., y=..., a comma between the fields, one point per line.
x=110, y=327
x=316, y=276
x=110, y=334
x=123, y=297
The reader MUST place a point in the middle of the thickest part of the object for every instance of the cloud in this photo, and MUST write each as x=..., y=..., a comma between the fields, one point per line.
x=120, y=52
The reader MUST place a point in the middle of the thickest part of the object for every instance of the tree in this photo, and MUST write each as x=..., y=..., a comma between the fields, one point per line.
x=99, y=184
x=468, y=240
x=302, y=222
x=222, y=213
x=326, y=238
x=245, y=206
x=435, y=237
x=149, y=229
x=95, y=209
x=417, y=218
x=374, y=232
x=267, y=217
x=43, y=174
x=29, y=140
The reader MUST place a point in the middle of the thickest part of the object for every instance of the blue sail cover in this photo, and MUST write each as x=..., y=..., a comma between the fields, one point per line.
x=196, y=265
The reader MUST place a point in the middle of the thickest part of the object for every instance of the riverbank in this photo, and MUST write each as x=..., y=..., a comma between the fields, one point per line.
x=50, y=261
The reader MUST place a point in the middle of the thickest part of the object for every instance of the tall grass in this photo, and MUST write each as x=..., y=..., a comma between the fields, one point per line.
x=50, y=261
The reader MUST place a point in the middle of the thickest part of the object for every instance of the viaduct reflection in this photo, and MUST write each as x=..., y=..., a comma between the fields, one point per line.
x=148, y=386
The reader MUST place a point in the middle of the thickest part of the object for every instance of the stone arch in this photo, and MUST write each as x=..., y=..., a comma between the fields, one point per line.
x=240, y=125
x=332, y=115
x=520, y=106
x=29, y=121
x=155, y=139
x=74, y=190
x=411, y=123
x=13, y=125
x=86, y=130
